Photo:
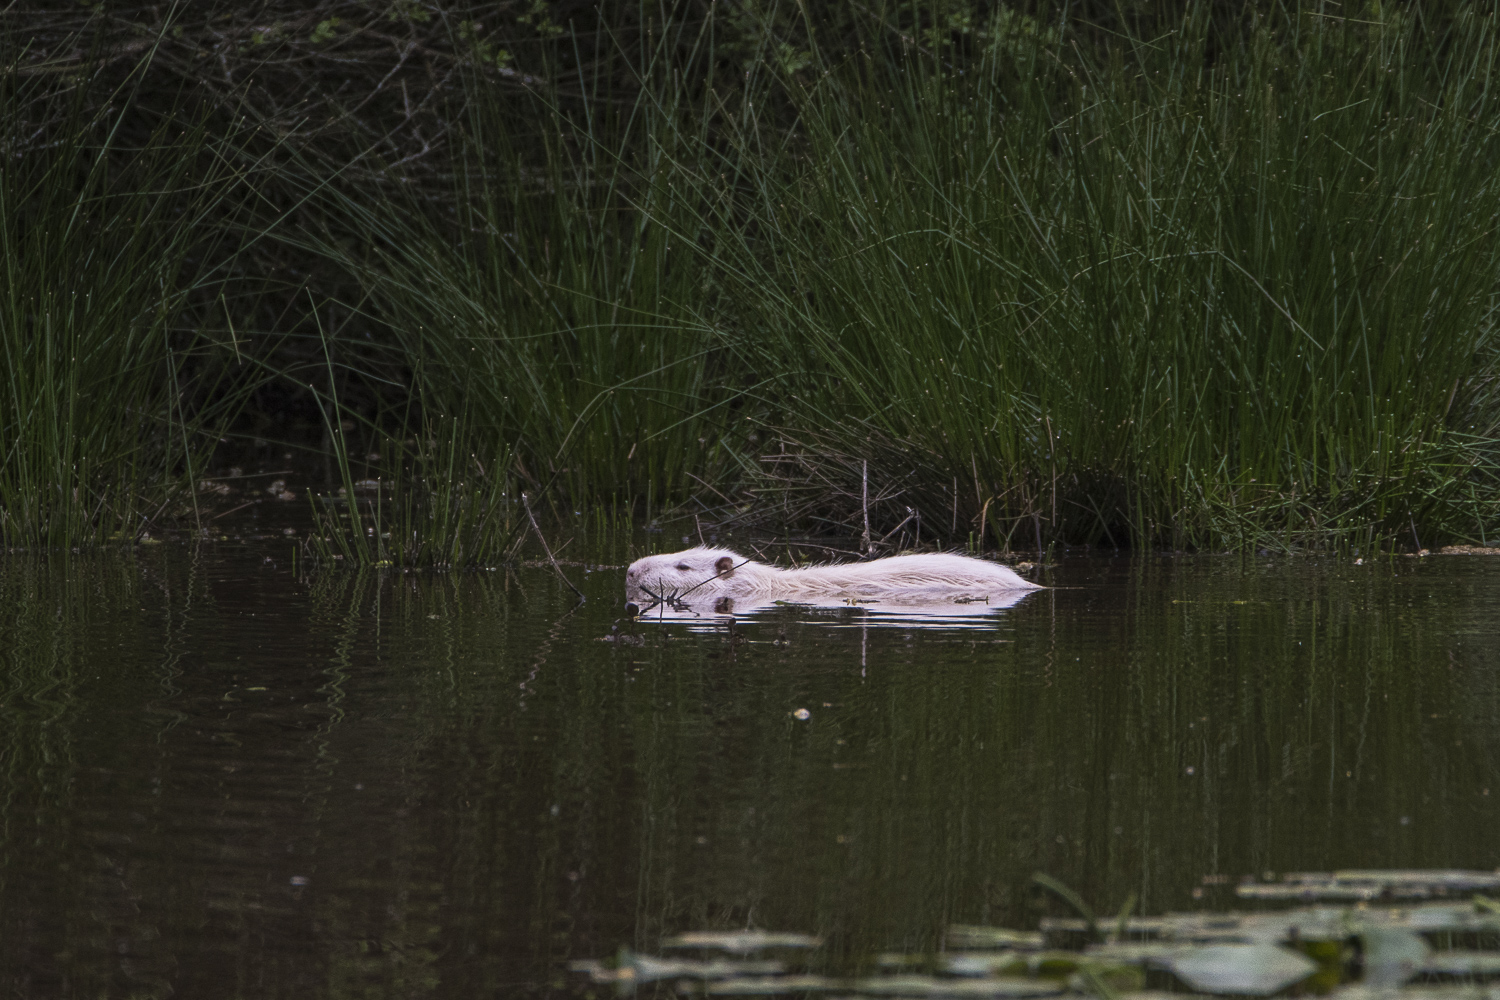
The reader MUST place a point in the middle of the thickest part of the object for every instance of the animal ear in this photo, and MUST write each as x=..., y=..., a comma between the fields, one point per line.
x=724, y=566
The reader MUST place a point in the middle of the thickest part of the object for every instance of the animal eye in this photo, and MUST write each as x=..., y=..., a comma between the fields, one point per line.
x=683, y=567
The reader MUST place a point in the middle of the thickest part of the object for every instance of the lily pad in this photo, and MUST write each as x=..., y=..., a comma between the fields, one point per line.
x=1240, y=969
x=1392, y=955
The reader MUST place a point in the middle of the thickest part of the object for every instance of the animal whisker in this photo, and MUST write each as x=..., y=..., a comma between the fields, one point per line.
x=671, y=598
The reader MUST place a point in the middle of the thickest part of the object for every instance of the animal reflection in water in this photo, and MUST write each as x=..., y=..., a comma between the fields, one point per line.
x=718, y=581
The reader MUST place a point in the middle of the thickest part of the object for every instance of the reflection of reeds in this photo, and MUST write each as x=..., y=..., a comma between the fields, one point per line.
x=464, y=762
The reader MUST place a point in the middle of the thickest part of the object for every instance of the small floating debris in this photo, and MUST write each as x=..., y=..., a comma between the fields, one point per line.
x=1256, y=970
x=623, y=639
x=741, y=942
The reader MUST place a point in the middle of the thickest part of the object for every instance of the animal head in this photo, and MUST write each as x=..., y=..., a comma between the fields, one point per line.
x=680, y=570
x=665, y=577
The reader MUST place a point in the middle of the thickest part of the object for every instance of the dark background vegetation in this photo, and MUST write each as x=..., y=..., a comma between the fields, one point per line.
x=593, y=251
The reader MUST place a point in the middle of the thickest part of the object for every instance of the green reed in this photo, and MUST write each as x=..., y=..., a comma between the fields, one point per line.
x=110, y=395
x=1230, y=286
x=544, y=309
x=1185, y=290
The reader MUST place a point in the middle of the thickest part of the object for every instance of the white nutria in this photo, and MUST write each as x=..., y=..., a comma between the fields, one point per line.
x=703, y=575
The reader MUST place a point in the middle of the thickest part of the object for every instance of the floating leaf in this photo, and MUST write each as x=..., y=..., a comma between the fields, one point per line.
x=1244, y=969
x=1392, y=955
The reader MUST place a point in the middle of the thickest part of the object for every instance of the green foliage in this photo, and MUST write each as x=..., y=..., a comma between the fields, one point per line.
x=557, y=333
x=483, y=50
x=108, y=401
x=1222, y=281
x=1169, y=294
x=326, y=31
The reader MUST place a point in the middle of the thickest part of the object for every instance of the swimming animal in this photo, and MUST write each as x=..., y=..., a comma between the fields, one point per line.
x=707, y=576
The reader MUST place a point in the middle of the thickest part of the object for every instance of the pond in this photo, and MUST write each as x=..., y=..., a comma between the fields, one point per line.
x=224, y=777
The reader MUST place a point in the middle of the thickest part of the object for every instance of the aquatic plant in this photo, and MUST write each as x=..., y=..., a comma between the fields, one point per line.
x=995, y=278
x=548, y=305
x=1211, y=289
x=111, y=395
x=1230, y=288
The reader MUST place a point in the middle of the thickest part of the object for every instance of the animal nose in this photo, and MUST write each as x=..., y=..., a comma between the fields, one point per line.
x=632, y=609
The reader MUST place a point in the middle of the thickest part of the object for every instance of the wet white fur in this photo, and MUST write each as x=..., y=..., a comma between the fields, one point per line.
x=696, y=574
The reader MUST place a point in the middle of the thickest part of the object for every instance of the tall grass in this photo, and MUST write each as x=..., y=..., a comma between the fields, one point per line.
x=549, y=318
x=1230, y=285
x=554, y=326
x=1188, y=290
x=109, y=403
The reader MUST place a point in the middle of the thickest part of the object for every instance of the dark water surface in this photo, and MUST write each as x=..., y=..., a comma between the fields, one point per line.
x=218, y=779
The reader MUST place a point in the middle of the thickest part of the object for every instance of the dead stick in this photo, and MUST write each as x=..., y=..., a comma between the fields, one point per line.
x=953, y=529
x=226, y=513
x=865, y=502
x=898, y=527
x=526, y=502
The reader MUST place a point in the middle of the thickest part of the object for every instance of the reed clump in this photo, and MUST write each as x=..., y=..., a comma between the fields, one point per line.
x=1173, y=291
x=113, y=388
x=982, y=275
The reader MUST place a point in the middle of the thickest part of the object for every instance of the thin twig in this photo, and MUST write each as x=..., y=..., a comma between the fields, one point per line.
x=897, y=528
x=864, y=495
x=953, y=528
x=720, y=573
x=526, y=502
x=231, y=510
x=253, y=475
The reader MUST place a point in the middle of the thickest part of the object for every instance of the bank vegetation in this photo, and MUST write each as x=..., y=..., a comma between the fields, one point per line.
x=1003, y=275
